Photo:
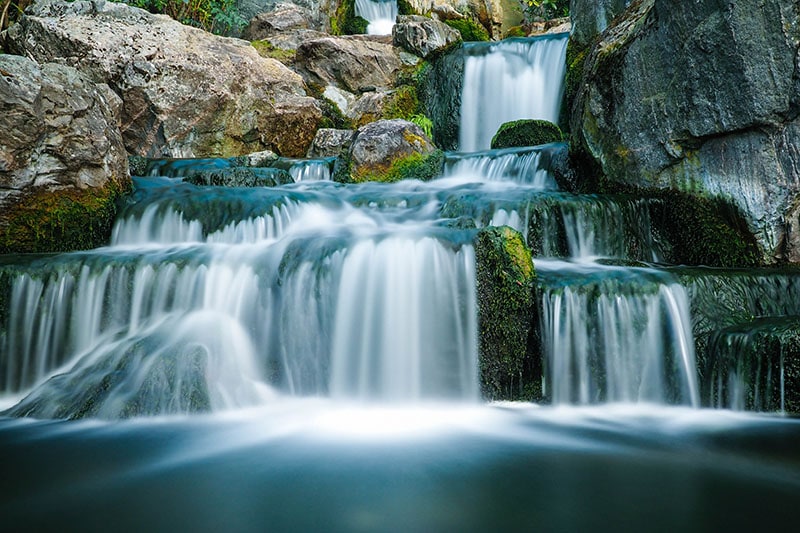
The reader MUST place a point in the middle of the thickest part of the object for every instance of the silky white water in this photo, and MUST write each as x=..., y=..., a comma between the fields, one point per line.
x=380, y=14
x=510, y=80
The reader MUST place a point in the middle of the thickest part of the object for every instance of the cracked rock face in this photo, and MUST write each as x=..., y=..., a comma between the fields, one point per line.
x=701, y=96
x=185, y=92
x=59, y=129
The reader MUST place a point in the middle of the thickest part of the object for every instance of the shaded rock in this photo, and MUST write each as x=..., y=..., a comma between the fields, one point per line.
x=185, y=92
x=591, y=17
x=291, y=40
x=318, y=12
x=510, y=369
x=240, y=177
x=329, y=142
x=348, y=63
x=390, y=150
x=423, y=36
x=700, y=97
x=283, y=18
x=440, y=89
x=62, y=161
x=526, y=132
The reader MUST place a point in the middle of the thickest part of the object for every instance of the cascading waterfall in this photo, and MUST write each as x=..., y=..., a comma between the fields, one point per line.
x=510, y=80
x=381, y=15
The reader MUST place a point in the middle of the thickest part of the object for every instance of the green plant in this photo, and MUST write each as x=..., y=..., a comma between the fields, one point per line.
x=217, y=16
x=424, y=123
x=469, y=30
x=12, y=9
x=546, y=9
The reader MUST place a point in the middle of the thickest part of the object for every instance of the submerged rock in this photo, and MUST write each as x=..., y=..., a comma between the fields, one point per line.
x=700, y=97
x=506, y=334
x=390, y=150
x=185, y=92
x=62, y=161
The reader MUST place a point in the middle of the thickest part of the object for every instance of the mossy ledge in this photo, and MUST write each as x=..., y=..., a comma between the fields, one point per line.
x=510, y=367
x=417, y=166
x=526, y=132
x=346, y=22
x=63, y=220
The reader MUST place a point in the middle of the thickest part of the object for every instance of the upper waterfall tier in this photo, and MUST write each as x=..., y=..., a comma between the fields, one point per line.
x=510, y=80
x=381, y=15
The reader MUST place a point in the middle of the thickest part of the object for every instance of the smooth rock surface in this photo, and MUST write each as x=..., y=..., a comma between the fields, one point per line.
x=422, y=35
x=281, y=19
x=703, y=97
x=185, y=92
x=329, y=142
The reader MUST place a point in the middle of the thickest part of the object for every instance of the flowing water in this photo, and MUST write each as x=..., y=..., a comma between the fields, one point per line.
x=304, y=357
x=380, y=14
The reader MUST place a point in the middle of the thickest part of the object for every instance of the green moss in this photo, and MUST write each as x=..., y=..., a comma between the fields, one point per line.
x=576, y=59
x=505, y=279
x=526, y=132
x=415, y=166
x=403, y=103
x=469, y=29
x=516, y=31
x=702, y=231
x=404, y=7
x=346, y=22
x=267, y=49
x=60, y=221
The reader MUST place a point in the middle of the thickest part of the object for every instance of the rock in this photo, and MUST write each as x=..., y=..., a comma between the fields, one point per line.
x=185, y=92
x=440, y=94
x=291, y=40
x=348, y=63
x=390, y=150
x=283, y=18
x=318, y=12
x=505, y=278
x=344, y=100
x=62, y=161
x=526, y=132
x=700, y=97
x=423, y=36
x=329, y=142
x=591, y=17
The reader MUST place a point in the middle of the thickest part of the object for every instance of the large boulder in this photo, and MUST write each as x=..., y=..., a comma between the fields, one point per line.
x=62, y=161
x=496, y=16
x=281, y=19
x=390, y=150
x=185, y=92
x=423, y=36
x=350, y=63
x=704, y=97
x=319, y=12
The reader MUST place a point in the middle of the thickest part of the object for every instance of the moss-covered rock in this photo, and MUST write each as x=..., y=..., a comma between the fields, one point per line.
x=507, y=340
x=346, y=22
x=526, y=132
x=469, y=29
x=439, y=89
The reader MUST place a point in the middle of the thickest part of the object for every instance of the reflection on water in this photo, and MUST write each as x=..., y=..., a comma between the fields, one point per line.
x=310, y=465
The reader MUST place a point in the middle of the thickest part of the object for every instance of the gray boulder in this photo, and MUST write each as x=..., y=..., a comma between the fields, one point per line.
x=185, y=92
x=350, y=63
x=283, y=18
x=702, y=97
x=422, y=35
x=391, y=150
x=329, y=142
x=62, y=160
x=319, y=12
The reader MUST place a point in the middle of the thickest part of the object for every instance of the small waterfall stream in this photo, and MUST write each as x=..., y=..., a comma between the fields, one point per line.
x=298, y=354
x=380, y=14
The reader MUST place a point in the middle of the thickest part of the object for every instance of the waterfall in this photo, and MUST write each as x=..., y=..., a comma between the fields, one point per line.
x=613, y=334
x=381, y=15
x=510, y=80
x=521, y=165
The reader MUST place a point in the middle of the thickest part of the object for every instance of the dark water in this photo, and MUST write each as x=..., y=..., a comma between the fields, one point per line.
x=308, y=465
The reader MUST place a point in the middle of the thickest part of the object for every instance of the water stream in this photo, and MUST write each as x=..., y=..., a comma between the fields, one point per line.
x=304, y=356
x=380, y=14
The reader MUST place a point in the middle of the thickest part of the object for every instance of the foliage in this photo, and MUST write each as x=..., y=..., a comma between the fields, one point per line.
x=526, y=132
x=11, y=11
x=546, y=9
x=404, y=7
x=424, y=123
x=217, y=16
x=469, y=29
x=414, y=166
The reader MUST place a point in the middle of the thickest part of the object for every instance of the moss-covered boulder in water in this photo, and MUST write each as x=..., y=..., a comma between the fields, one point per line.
x=505, y=278
x=390, y=150
x=526, y=132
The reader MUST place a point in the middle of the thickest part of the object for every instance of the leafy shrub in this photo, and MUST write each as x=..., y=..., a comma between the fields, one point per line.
x=217, y=16
x=546, y=9
x=424, y=123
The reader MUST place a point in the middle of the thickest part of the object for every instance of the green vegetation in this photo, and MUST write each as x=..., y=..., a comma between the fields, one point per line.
x=217, y=16
x=404, y=7
x=424, y=123
x=267, y=49
x=469, y=29
x=11, y=10
x=505, y=276
x=576, y=58
x=546, y=9
x=61, y=221
x=346, y=22
x=415, y=166
x=516, y=31
x=526, y=132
